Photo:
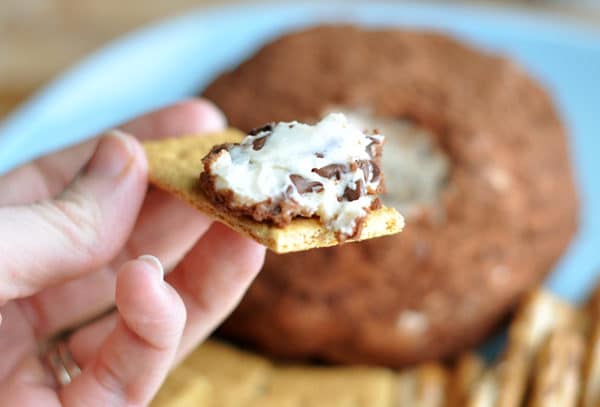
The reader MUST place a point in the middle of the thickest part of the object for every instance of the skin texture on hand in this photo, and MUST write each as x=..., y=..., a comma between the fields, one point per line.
x=73, y=226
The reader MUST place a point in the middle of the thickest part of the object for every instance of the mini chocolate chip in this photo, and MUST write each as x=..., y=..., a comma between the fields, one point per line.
x=376, y=171
x=291, y=126
x=373, y=149
x=319, y=155
x=365, y=167
x=289, y=191
x=370, y=150
x=259, y=143
x=354, y=194
x=220, y=147
x=266, y=128
x=332, y=171
x=370, y=170
x=304, y=185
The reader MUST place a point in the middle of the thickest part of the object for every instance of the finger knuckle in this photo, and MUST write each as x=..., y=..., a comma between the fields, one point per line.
x=78, y=221
x=109, y=379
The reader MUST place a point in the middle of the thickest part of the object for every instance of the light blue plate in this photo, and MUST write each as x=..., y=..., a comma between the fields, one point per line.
x=176, y=58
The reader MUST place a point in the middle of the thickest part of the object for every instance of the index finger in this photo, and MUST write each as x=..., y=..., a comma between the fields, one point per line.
x=49, y=175
x=185, y=117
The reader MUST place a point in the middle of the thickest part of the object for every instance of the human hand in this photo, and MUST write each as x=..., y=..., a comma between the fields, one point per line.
x=71, y=235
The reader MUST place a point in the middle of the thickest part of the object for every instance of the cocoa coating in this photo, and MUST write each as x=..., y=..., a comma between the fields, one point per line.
x=282, y=209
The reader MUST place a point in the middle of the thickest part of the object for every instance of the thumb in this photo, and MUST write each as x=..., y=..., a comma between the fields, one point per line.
x=54, y=240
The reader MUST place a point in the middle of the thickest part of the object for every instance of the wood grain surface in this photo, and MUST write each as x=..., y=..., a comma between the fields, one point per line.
x=41, y=38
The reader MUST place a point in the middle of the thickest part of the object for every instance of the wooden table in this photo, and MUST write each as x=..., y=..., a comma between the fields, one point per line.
x=41, y=38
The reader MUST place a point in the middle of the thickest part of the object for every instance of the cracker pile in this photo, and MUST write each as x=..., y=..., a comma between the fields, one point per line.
x=552, y=358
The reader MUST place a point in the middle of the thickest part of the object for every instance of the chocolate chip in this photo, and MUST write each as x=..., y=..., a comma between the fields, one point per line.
x=365, y=167
x=370, y=170
x=374, y=141
x=374, y=149
x=354, y=194
x=259, y=143
x=371, y=150
x=288, y=192
x=266, y=128
x=332, y=171
x=319, y=155
x=304, y=185
x=376, y=171
x=220, y=147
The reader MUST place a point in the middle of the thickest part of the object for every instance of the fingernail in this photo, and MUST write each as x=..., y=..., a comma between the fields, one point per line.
x=219, y=120
x=155, y=263
x=113, y=154
x=213, y=118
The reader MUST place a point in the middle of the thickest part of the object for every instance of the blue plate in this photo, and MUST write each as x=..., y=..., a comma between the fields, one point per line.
x=176, y=58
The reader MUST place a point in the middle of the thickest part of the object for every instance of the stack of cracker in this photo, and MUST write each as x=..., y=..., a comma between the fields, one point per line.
x=551, y=358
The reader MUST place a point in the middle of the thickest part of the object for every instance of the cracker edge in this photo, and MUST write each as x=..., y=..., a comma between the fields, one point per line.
x=468, y=371
x=424, y=385
x=538, y=316
x=557, y=376
x=590, y=395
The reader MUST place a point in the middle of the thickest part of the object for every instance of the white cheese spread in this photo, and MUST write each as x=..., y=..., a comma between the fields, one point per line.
x=326, y=168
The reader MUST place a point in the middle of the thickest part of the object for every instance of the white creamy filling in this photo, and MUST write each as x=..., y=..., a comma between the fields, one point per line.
x=415, y=168
x=256, y=175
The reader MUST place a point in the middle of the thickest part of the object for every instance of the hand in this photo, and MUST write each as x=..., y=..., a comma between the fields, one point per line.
x=72, y=228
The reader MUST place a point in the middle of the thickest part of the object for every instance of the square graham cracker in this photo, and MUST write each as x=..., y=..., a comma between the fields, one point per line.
x=175, y=165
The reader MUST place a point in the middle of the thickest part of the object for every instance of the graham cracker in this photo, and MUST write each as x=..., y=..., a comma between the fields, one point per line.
x=485, y=391
x=466, y=376
x=557, y=375
x=591, y=372
x=423, y=386
x=175, y=166
x=541, y=314
x=547, y=362
x=219, y=375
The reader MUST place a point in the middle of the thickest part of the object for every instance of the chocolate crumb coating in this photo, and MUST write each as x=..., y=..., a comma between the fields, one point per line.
x=509, y=205
x=260, y=180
